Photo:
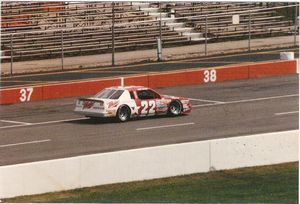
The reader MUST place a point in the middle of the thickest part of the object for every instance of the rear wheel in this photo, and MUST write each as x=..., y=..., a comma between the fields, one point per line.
x=175, y=108
x=123, y=114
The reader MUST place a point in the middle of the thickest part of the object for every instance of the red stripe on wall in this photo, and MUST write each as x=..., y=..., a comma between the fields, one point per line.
x=155, y=80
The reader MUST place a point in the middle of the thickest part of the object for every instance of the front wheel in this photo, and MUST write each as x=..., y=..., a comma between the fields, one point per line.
x=123, y=114
x=175, y=108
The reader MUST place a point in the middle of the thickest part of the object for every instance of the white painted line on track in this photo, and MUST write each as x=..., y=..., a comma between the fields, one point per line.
x=204, y=100
x=266, y=98
x=25, y=143
x=12, y=126
x=286, y=113
x=42, y=123
x=248, y=100
x=214, y=103
x=165, y=126
x=59, y=121
x=17, y=122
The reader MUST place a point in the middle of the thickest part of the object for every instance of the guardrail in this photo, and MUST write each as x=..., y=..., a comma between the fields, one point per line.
x=153, y=80
x=148, y=163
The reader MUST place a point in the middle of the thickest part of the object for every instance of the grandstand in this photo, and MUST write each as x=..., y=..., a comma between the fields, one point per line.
x=32, y=30
x=217, y=19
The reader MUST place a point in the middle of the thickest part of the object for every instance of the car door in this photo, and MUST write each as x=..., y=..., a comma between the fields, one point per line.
x=146, y=101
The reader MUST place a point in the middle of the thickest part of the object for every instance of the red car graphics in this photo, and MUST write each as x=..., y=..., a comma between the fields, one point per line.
x=131, y=101
x=88, y=104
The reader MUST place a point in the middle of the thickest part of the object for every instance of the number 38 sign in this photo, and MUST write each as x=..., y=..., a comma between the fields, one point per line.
x=25, y=94
x=210, y=75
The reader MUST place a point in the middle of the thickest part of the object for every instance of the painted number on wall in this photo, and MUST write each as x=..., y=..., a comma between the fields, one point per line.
x=210, y=75
x=25, y=94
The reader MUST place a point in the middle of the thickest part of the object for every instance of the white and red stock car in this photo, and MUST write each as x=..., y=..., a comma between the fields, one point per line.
x=128, y=102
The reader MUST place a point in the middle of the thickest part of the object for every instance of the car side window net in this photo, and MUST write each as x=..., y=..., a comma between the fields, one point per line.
x=145, y=94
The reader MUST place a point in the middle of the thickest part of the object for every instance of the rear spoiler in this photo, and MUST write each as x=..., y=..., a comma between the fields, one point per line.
x=88, y=99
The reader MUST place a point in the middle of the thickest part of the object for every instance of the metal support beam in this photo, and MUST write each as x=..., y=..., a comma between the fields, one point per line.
x=11, y=54
x=113, y=35
x=159, y=42
x=295, y=23
x=160, y=32
x=205, y=35
x=249, y=33
x=62, y=49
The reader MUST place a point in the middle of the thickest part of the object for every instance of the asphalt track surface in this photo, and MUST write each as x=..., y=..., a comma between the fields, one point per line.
x=46, y=130
x=100, y=72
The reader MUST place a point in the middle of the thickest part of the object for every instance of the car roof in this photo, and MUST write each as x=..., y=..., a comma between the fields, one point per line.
x=129, y=88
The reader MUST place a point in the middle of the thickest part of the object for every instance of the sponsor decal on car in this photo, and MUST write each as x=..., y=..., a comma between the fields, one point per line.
x=135, y=110
x=87, y=104
x=161, y=105
x=113, y=104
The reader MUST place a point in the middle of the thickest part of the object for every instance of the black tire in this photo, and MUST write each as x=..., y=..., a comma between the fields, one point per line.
x=123, y=114
x=175, y=108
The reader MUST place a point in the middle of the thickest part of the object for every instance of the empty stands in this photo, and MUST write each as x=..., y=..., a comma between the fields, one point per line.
x=216, y=19
x=42, y=29
x=37, y=30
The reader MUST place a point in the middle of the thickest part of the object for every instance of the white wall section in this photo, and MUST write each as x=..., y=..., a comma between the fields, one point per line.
x=148, y=163
x=256, y=150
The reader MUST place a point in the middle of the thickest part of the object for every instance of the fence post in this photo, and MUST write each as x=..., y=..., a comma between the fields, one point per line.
x=113, y=35
x=11, y=54
x=160, y=35
x=62, y=49
x=295, y=24
x=205, y=35
x=122, y=81
x=159, y=49
x=249, y=34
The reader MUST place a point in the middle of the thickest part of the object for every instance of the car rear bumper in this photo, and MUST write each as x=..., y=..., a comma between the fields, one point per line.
x=104, y=114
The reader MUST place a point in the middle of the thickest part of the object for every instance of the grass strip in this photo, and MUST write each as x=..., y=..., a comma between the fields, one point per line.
x=265, y=184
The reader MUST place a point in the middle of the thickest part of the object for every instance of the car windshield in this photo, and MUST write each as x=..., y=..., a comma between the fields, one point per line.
x=109, y=94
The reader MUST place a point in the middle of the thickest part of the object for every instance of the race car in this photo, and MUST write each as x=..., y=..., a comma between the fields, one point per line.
x=125, y=102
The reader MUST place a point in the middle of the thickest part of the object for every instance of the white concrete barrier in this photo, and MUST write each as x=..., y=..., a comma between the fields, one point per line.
x=256, y=150
x=106, y=168
x=148, y=163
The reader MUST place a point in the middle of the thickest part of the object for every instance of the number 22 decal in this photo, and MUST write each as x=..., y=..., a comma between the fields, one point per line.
x=145, y=105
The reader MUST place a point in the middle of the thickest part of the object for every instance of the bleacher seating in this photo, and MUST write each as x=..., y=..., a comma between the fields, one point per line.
x=89, y=40
x=37, y=29
x=219, y=19
x=86, y=28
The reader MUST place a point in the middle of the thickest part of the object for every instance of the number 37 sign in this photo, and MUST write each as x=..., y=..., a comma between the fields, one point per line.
x=25, y=94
